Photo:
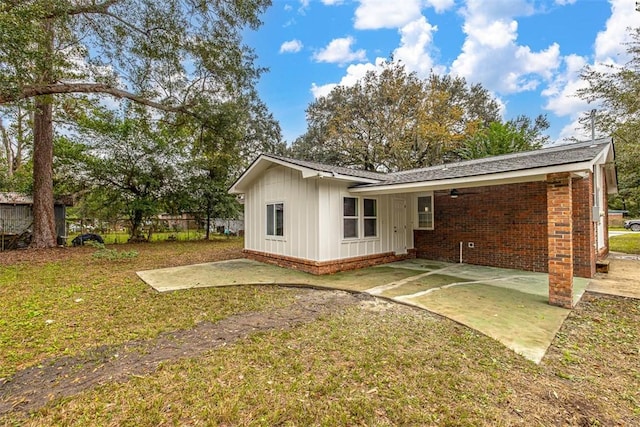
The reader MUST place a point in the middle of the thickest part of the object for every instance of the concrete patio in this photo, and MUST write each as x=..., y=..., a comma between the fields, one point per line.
x=510, y=306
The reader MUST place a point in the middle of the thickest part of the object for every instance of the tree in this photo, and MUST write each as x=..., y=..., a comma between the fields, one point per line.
x=498, y=138
x=15, y=134
x=167, y=55
x=130, y=162
x=391, y=120
x=617, y=91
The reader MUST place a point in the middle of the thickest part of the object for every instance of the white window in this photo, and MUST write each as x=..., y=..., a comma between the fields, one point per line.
x=424, y=204
x=350, y=217
x=370, y=211
x=275, y=219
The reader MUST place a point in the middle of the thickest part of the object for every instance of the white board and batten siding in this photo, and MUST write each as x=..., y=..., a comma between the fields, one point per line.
x=313, y=218
x=332, y=243
x=279, y=184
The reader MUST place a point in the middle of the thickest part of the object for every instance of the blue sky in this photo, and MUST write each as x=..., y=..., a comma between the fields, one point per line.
x=528, y=53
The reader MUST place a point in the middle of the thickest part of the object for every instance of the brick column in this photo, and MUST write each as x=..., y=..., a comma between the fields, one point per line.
x=560, y=239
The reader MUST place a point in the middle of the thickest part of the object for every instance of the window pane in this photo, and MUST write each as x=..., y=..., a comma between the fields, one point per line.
x=370, y=227
x=350, y=228
x=370, y=207
x=425, y=212
x=424, y=220
x=350, y=206
x=270, y=220
x=279, y=219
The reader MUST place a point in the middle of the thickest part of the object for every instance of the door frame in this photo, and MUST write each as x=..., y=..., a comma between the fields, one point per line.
x=399, y=226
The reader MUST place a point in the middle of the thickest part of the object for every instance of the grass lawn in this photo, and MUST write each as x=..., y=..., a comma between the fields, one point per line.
x=369, y=363
x=627, y=243
x=160, y=236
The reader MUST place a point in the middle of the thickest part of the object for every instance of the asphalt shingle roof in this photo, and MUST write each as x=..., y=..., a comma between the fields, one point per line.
x=321, y=167
x=546, y=157
x=554, y=156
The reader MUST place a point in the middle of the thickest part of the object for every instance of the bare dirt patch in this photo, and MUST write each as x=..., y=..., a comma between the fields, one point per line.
x=55, y=378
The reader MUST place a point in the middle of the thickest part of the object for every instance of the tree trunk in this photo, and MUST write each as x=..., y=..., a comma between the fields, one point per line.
x=136, y=221
x=44, y=226
x=208, y=225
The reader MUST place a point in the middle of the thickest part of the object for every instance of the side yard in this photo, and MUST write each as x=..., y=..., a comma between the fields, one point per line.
x=264, y=355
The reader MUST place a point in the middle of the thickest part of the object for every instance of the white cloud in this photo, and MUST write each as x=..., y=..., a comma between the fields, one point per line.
x=415, y=41
x=332, y=2
x=376, y=14
x=339, y=51
x=490, y=53
x=354, y=73
x=291, y=46
x=565, y=2
x=609, y=46
x=561, y=93
x=609, y=49
x=441, y=5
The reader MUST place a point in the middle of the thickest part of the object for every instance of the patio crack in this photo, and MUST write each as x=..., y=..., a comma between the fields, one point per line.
x=450, y=285
x=382, y=288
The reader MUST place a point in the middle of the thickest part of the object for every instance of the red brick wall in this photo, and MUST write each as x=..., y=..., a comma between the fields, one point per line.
x=326, y=267
x=560, y=226
x=507, y=224
x=584, y=253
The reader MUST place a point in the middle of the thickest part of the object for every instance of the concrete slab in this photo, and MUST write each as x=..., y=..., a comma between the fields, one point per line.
x=507, y=305
x=623, y=278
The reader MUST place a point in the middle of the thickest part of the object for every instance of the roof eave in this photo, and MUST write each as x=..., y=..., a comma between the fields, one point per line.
x=511, y=177
x=258, y=166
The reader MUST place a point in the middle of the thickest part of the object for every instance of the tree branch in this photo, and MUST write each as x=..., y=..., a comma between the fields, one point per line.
x=60, y=88
x=102, y=7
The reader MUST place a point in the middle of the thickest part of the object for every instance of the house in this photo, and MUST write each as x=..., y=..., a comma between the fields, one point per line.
x=16, y=218
x=543, y=210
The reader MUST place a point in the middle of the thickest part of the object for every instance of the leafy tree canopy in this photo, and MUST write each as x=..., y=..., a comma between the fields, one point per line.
x=392, y=120
x=172, y=55
x=519, y=134
x=616, y=89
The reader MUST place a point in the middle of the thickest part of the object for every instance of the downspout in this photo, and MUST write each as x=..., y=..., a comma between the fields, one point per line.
x=461, y=252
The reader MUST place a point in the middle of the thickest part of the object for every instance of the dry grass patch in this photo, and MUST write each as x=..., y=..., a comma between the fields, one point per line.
x=75, y=302
x=383, y=364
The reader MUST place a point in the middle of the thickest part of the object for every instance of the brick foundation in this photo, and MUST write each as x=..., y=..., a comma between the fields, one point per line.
x=560, y=228
x=326, y=267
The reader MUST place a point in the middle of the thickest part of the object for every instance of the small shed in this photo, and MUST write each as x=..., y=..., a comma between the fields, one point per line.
x=617, y=217
x=16, y=217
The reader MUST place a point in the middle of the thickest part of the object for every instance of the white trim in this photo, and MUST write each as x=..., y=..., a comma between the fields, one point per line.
x=539, y=174
x=266, y=229
x=263, y=161
x=359, y=217
x=355, y=217
x=376, y=217
x=415, y=214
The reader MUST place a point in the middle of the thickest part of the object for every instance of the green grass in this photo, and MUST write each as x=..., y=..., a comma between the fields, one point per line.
x=66, y=307
x=374, y=364
x=626, y=243
x=117, y=238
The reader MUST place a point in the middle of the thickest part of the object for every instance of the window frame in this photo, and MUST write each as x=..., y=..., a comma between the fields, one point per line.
x=355, y=217
x=366, y=217
x=360, y=218
x=275, y=220
x=416, y=213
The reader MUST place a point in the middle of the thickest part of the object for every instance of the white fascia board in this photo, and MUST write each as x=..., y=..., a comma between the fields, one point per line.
x=357, y=179
x=255, y=168
x=263, y=162
x=513, y=177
